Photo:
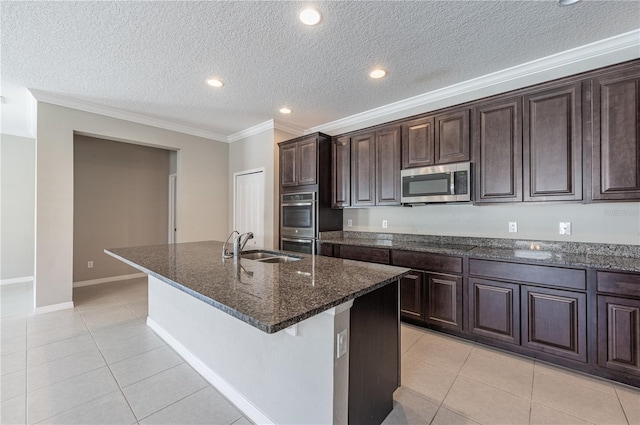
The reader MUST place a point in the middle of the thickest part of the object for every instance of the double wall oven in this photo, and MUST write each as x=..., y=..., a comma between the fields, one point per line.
x=298, y=224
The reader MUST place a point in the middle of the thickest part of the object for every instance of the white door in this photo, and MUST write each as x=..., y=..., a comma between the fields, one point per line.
x=248, y=215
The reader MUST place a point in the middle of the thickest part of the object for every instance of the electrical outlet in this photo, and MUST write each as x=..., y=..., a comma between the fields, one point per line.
x=89, y=264
x=384, y=224
x=513, y=227
x=565, y=228
x=349, y=223
x=341, y=344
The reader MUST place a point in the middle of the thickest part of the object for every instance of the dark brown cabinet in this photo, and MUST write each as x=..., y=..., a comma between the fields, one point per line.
x=341, y=172
x=619, y=334
x=375, y=168
x=452, y=136
x=555, y=322
x=298, y=162
x=497, y=151
x=438, y=139
x=615, y=165
x=619, y=321
x=411, y=298
x=418, y=149
x=552, y=144
x=443, y=300
x=494, y=310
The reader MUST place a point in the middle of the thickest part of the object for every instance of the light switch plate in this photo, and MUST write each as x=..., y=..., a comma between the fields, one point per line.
x=349, y=223
x=342, y=344
x=513, y=227
x=384, y=224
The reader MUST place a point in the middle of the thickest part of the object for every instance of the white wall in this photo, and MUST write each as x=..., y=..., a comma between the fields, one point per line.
x=203, y=182
x=260, y=151
x=17, y=186
x=617, y=223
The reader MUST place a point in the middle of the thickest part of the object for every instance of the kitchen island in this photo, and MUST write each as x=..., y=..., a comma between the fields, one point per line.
x=314, y=340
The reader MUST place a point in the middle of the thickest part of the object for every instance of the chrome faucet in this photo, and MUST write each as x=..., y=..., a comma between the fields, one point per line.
x=238, y=244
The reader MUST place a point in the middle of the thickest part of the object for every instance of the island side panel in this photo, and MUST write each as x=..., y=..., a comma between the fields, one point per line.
x=374, y=358
x=273, y=378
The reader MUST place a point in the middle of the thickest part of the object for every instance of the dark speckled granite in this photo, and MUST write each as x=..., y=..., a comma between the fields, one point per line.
x=577, y=254
x=270, y=297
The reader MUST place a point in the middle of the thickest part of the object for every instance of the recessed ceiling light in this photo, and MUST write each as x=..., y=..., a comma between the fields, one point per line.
x=310, y=16
x=567, y=2
x=285, y=110
x=214, y=82
x=378, y=73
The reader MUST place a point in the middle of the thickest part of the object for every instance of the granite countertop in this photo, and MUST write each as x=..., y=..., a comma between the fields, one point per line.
x=269, y=297
x=599, y=256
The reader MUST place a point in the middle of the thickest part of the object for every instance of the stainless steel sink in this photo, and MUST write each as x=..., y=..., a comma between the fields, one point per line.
x=268, y=257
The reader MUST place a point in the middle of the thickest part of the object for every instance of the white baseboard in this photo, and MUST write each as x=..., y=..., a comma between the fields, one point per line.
x=53, y=307
x=16, y=280
x=247, y=407
x=107, y=279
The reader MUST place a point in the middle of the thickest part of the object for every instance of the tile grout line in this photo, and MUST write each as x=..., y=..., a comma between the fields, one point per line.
x=624, y=412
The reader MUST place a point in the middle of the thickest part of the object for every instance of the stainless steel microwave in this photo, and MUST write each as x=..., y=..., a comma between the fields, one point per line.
x=440, y=183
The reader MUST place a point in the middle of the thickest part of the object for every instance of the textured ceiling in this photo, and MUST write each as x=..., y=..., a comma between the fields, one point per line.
x=153, y=58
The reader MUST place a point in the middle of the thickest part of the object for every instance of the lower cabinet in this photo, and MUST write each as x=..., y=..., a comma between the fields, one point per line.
x=443, y=300
x=411, y=290
x=494, y=310
x=555, y=322
x=619, y=334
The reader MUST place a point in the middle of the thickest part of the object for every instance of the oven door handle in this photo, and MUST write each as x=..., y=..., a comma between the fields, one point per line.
x=298, y=240
x=297, y=204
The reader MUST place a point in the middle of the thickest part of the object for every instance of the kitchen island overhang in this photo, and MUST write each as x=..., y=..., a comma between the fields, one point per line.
x=240, y=344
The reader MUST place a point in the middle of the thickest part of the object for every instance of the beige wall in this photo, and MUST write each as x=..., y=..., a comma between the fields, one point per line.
x=617, y=223
x=17, y=186
x=120, y=198
x=203, y=182
x=253, y=152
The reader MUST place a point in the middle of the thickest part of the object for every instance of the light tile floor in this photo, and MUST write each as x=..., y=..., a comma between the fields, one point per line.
x=100, y=364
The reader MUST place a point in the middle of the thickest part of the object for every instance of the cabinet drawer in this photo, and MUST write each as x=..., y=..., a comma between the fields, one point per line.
x=542, y=275
x=429, y=262
x=365, y=253
x=619, y=283
x=326, y=249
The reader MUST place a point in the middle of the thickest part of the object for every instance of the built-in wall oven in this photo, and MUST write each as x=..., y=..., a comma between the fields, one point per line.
x=298, y=222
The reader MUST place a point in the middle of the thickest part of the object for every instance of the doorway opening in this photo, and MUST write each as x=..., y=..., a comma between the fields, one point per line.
x=248, y=205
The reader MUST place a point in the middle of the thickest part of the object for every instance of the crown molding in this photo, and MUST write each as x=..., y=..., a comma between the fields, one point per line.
x=584, y=58
x=82, y=105
x=251, y=131
x=289, y=128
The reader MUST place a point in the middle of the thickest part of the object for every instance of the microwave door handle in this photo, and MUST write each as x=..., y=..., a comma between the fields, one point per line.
x=452, y=183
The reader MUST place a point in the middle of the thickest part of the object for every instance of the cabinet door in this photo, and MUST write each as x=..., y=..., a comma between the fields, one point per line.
x=619, y=334
x=444, y=300
x=497, y=150
x=411, y=303
x=494, y=310
x=363, y=170
x=555, y=322
x=288, y=167
x=341, y=175
x=552, y=144
x=452, y=137
x=388, y=166
x=417, y=143
x=307, y=153
x=616, y=136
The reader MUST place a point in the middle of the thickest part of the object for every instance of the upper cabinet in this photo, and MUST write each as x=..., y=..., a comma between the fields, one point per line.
x=438, y=139
x=497, y=151
x=341, y=172
x=615, y=165
x=299, y=163
x=552, y=144
x=375, y=168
